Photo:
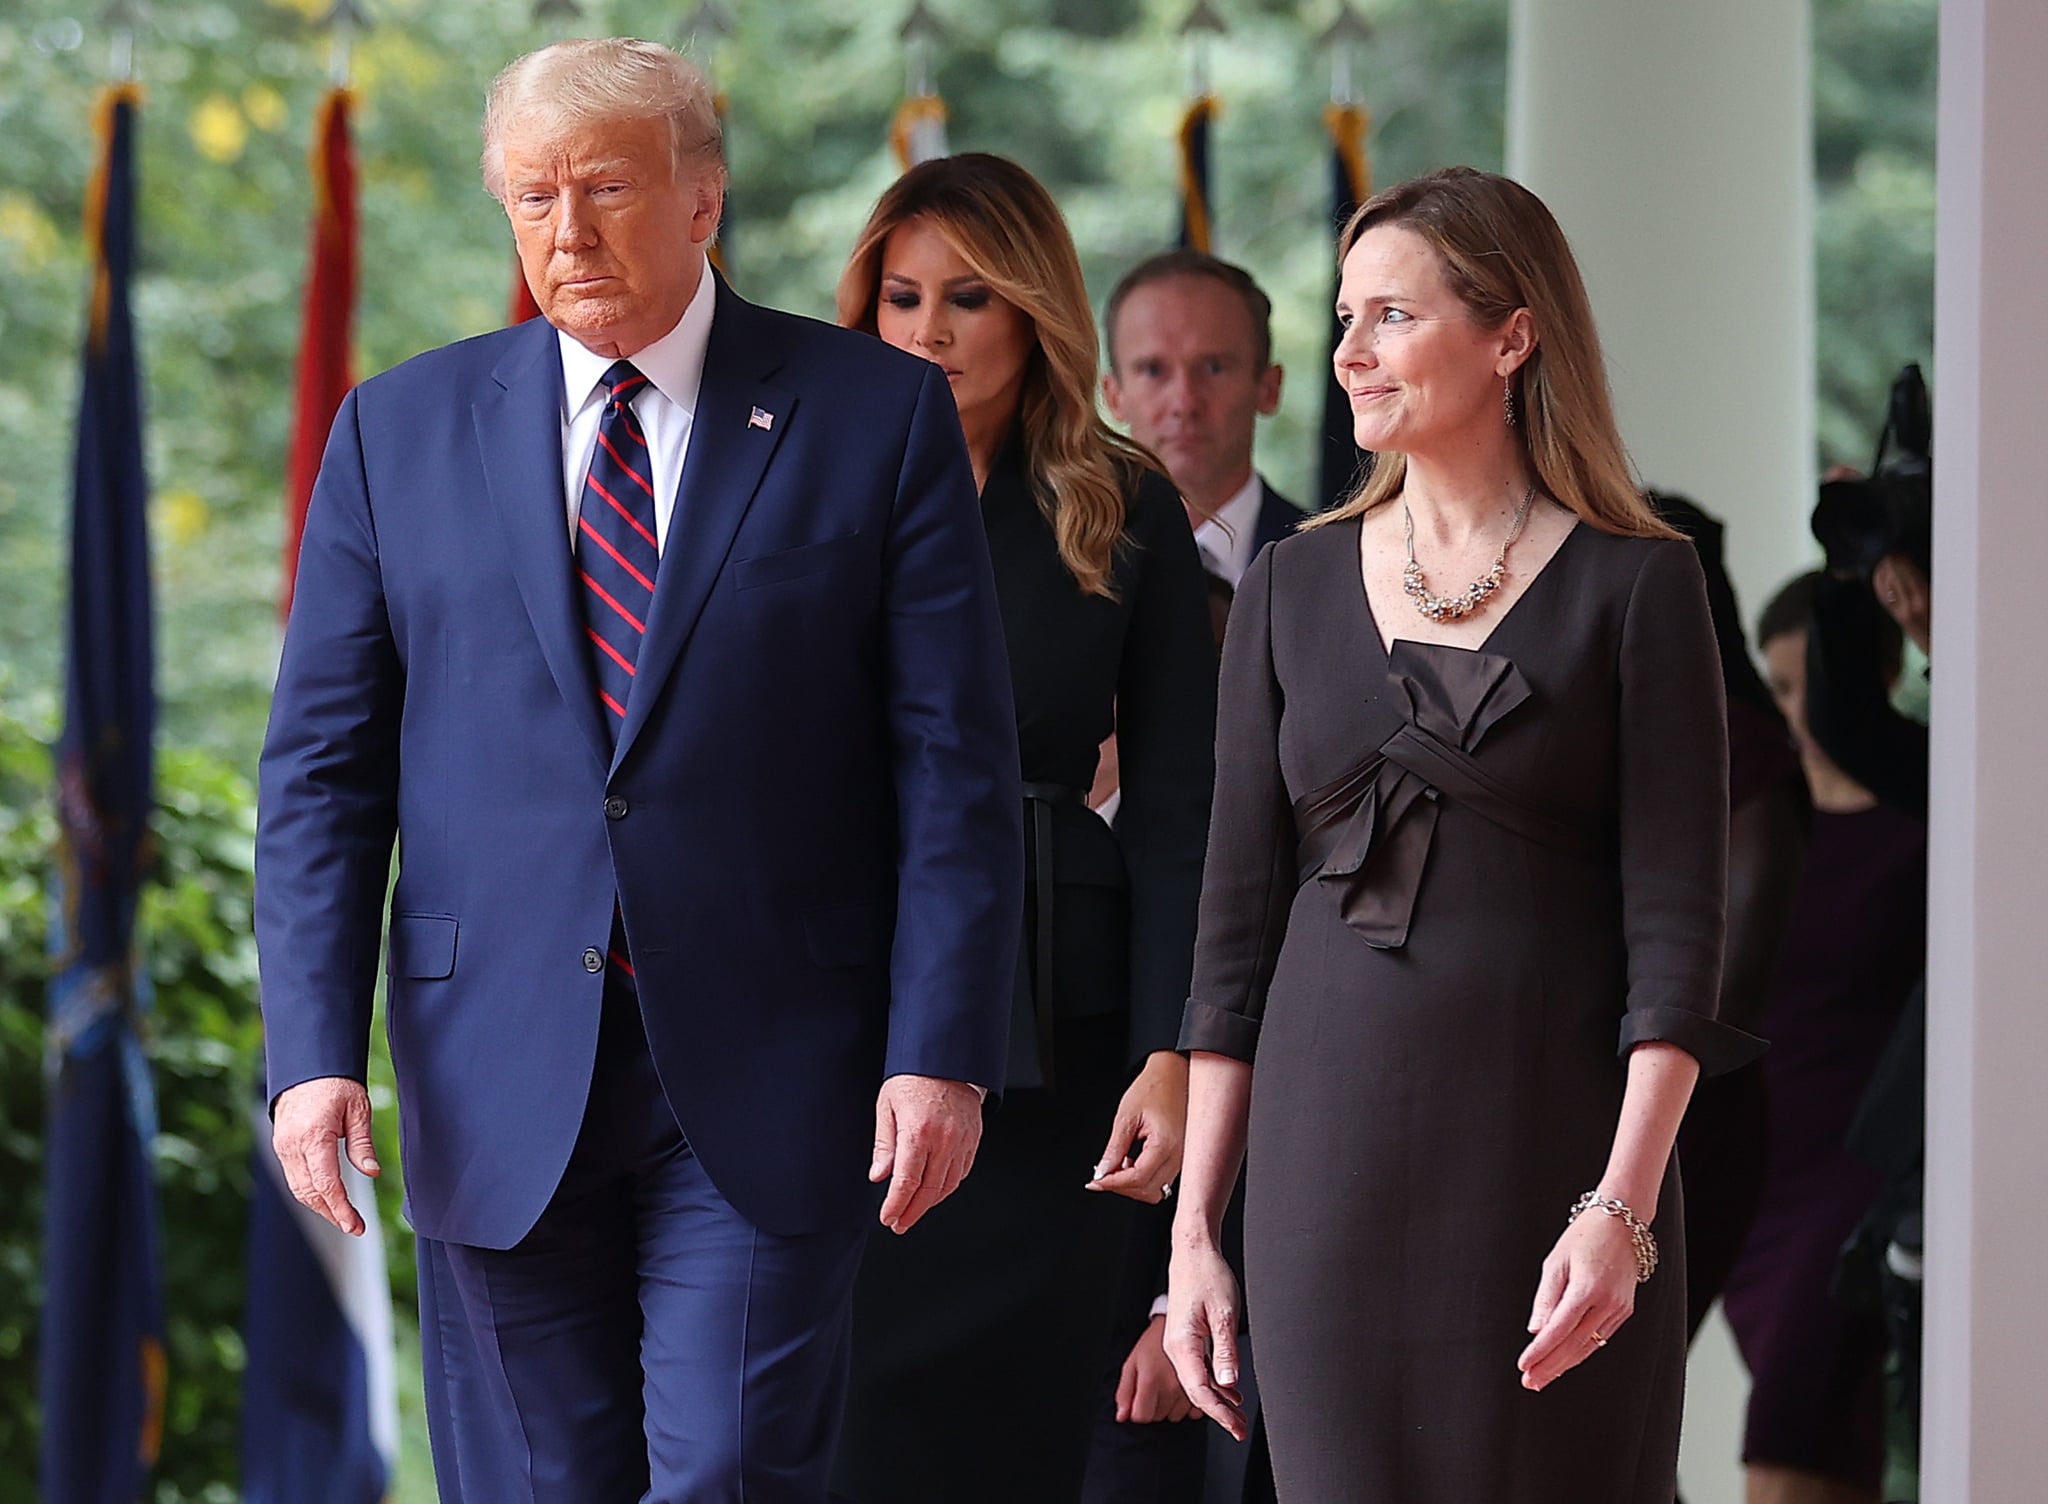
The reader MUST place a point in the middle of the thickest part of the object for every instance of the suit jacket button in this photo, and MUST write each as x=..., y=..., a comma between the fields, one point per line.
x=615, y=807
x=593, y=959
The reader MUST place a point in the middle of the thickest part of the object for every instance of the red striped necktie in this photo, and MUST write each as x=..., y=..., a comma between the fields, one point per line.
x=616, y=554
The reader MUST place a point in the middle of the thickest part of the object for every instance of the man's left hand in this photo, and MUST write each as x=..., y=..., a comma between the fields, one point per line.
x=926, y=1132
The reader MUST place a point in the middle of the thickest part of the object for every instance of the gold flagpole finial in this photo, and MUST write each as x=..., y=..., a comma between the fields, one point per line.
x=124, y=18
x=1342, y=39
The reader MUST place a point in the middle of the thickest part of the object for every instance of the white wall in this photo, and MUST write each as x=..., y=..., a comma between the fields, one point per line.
x=1986, y=1437
x=1673, y=140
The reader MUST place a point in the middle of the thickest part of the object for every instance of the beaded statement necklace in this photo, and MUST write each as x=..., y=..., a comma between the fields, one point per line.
x=1442, y=608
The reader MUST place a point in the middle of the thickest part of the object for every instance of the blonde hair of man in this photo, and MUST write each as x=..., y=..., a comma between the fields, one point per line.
x=591, y=79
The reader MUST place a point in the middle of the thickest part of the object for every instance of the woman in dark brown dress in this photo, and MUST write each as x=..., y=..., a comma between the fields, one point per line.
x=1464, y=898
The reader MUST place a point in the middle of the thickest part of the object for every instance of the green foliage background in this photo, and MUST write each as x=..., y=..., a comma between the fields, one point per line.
x=1085, y=92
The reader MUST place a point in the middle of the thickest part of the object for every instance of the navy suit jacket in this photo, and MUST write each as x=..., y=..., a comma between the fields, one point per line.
x=811, y=820
x=1277, y=517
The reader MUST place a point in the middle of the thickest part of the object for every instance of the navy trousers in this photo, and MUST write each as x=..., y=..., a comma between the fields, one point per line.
x=643, y=1342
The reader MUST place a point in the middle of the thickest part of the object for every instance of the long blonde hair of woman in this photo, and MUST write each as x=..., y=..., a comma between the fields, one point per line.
x=1005, y=225
x=1502, y=250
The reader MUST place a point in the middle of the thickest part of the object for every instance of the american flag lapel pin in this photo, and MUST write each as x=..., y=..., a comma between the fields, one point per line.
x=762, y=419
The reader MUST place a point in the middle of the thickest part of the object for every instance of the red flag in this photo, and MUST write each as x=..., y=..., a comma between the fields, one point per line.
x=326, y=332
x=520, y=306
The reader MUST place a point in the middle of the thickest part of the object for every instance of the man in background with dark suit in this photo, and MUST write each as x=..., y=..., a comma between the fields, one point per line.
x=660, y=634
x=1191, y=372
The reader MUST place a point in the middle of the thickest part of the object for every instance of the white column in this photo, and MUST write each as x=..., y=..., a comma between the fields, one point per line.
x=1673, y=140
x=1986, y=1434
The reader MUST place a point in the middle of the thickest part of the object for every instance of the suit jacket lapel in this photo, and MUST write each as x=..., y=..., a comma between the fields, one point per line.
x=729, y=451
x=519, y=433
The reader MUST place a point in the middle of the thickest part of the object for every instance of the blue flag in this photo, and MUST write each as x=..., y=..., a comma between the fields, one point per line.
x=102, y=1352
x=320, y=1397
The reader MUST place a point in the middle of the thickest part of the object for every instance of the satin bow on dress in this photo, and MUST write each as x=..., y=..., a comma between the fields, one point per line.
x=1368, y=833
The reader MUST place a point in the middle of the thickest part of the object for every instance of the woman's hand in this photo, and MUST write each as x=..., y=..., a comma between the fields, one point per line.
x=1201, y=1334
x=1154, y=1109
x=1148, y=1389
x=1587, y=1291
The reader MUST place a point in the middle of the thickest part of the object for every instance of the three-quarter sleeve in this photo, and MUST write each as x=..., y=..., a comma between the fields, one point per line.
x=1248, y=881
x=1672, y=769
x=1166, y=735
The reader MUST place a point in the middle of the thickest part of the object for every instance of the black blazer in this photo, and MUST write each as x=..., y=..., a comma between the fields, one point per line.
x=1144, y=666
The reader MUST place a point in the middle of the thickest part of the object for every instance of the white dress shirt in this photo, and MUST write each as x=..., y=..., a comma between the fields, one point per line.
x=667, y=409
x=1228, y=549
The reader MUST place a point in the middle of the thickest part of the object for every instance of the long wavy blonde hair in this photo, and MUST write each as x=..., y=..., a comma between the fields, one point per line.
x=1004, y=225
x=1501, y=250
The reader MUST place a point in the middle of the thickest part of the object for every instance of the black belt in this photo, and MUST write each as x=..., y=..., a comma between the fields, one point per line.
x=1031, y=1052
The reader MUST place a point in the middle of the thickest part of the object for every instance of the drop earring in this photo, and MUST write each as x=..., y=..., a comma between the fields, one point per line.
x=1507, y=400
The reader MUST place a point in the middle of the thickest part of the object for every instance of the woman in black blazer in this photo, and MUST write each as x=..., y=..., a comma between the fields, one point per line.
x=983, y=1333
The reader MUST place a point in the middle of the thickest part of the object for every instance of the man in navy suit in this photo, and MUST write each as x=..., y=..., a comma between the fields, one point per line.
x=660, y=633
x=1191, y=372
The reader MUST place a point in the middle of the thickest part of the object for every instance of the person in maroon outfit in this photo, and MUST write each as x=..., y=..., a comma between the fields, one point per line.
x=1855, y=946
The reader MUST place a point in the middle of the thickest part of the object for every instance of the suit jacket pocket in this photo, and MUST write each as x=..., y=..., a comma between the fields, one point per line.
x=790, y=563
x=850, y=934
x=423, y=945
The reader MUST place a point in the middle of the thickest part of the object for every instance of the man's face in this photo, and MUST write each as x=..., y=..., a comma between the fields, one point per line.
x=610, y=232
x=1188, y=383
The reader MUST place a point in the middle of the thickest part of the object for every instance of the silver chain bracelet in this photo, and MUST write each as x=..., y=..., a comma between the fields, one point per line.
x=1639, y=1233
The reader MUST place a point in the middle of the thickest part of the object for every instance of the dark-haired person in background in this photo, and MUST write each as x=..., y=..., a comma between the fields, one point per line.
x=1191, y=372
x=1855, y=948
x=1878, y=537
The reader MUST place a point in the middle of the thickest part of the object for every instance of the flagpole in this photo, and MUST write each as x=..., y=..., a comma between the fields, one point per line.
x=705, y=32
x=318, y=1303
x=101, y=1367
x=917, y=133
x=1199, y=32
x=122, y=19
x=519, y=303
x=1348, y=122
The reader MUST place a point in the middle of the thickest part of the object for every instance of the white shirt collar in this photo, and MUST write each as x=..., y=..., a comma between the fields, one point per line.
x=673, y=364
x=1235, y=540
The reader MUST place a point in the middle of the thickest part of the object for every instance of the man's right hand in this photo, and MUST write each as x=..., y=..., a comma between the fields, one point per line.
x=307, y=1123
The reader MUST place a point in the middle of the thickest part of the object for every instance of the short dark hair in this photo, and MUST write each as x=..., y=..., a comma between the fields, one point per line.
x=1169, y=264
x=1791, y=609
x=1863, y=622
